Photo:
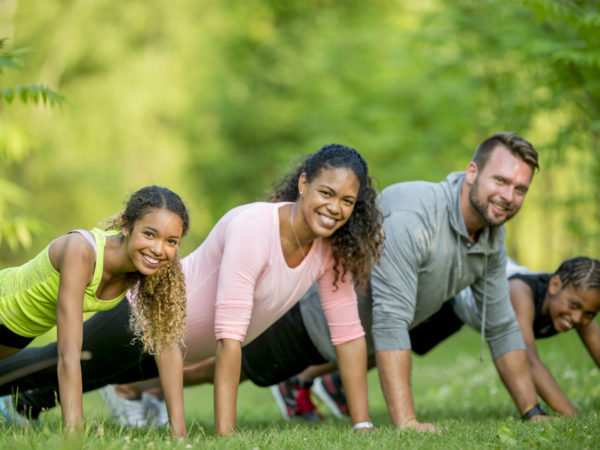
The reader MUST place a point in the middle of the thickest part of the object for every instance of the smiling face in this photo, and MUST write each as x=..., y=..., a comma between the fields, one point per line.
x=154, y=239
x=497, y=191
x=327, y=201
x=570, y=307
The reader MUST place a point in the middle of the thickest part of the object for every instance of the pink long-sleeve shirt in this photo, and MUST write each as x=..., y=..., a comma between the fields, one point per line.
x=238, y=283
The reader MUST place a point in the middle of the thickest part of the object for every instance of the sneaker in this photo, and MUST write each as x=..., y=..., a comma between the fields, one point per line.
x=9, y=413
x=294, y=401
x=155, y=410
x=128, y=413
x=331, y=392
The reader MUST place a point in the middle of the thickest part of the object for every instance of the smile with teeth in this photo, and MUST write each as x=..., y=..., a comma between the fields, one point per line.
x=500, y=207
x=565, y=324
x=329, y=221
x=150, y=260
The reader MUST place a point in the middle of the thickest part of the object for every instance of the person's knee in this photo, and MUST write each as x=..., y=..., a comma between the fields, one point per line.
x=200, y=373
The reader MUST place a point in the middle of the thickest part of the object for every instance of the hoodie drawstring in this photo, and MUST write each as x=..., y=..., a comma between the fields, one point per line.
x=459, y=256
x=483, y=310
x=485, y=284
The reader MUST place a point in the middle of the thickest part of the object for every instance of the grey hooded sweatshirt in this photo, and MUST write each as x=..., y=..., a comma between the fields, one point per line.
x=428, y=259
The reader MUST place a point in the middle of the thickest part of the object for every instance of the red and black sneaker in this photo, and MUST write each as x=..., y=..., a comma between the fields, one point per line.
x=331, y=392
x=294, y=401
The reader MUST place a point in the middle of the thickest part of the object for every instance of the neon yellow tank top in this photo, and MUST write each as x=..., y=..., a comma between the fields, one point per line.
x=28, y=293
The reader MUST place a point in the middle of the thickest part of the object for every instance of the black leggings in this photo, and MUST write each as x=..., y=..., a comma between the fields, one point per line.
x=283, y=350
x=435, y=329
x=12, y=339
x=114, y=359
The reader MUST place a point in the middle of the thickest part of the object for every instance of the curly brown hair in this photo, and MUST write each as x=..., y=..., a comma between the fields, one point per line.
x=159, y=308
x=358, y=244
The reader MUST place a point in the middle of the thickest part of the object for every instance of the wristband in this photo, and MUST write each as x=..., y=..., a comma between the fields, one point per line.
x=537, y=410
x=361, y=425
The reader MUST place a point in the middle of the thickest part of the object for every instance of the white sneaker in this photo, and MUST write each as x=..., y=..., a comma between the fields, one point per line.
x=9, y=413
x=155, y=410
x=129, y=413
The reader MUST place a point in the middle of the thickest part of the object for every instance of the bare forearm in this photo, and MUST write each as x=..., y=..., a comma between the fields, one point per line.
x=170, y=369
x=513, y=369
x=352, y=358
x=70, y=391
x=227, y=378
x=549, y=390
x=394, y=374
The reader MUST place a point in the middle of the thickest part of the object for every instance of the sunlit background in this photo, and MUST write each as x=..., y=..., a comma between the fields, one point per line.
x=217, y=100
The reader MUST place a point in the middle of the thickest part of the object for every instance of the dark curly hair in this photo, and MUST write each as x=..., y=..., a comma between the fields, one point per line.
x=159, y=310
x=357, y=245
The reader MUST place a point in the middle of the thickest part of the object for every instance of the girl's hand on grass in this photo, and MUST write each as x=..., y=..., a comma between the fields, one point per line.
x=75, y=427
x=540, y=418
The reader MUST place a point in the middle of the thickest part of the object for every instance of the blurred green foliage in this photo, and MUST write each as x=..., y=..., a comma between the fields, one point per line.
x=15, y=229
x=217, y=100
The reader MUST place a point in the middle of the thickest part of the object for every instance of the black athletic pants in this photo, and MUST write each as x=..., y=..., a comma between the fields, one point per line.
x=115, y=358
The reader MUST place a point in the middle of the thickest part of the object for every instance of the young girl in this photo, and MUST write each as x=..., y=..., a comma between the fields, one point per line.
x=86, y=271
x=549, y=304
x=322, y=226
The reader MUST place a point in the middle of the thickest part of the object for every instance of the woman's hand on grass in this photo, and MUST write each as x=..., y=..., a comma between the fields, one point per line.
x=414, y=424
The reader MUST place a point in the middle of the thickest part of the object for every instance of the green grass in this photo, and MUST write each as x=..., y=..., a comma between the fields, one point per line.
x=450, y=387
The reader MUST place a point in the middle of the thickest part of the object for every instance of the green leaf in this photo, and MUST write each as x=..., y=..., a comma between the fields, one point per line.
x=23, y=93
x=33, y=91
x=11, y=63
x=8, y=95
x=506, y=435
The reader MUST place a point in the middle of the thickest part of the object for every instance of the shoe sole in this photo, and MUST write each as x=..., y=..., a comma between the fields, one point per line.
x=320, y=391
x=279, y=400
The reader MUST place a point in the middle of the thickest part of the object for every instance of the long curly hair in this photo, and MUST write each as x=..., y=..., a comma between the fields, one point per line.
x=159, y=301
x=358, y=244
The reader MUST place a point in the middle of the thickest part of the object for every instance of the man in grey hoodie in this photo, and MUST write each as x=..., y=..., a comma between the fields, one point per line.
x=441, y=238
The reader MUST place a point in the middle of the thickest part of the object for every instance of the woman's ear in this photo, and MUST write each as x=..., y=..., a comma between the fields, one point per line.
x=554, y=285
x=124, y=230
x=302, y=184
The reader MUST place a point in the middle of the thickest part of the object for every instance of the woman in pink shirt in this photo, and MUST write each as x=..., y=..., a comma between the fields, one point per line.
x=322, y=225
